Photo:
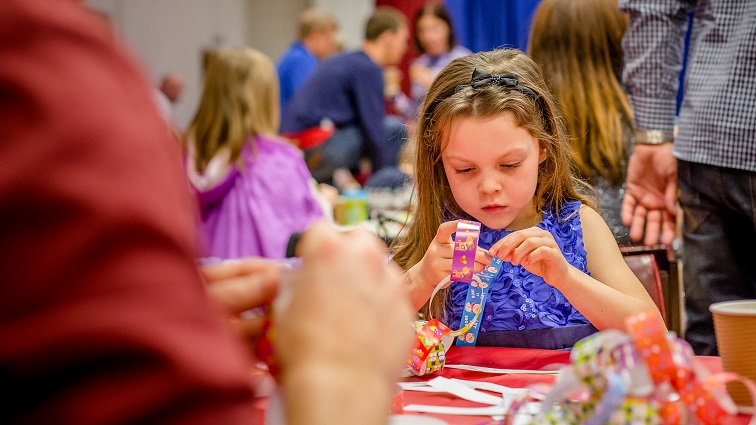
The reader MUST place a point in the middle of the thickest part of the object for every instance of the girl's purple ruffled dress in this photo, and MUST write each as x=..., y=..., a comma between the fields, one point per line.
x=521, y=309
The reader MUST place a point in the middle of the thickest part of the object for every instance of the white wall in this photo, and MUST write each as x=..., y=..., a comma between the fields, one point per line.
x=170, y=35
x=272, y=24
x=351, y=15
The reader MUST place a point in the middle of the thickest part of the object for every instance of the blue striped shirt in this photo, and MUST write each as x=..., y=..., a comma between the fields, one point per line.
x=717, y=122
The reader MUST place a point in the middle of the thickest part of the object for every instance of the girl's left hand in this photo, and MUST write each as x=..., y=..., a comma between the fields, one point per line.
x=537, y=251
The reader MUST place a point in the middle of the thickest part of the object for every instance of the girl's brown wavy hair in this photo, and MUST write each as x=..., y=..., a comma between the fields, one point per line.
x=435, y=203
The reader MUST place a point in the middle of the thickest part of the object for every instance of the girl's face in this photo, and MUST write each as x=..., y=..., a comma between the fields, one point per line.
x=433, y=34
x=492, y=168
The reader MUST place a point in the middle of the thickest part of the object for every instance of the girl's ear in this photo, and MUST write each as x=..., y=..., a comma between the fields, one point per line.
x=542, y=154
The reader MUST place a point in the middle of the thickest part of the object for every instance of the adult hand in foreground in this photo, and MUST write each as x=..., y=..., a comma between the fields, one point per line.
x=248, y=285
x=342, y=329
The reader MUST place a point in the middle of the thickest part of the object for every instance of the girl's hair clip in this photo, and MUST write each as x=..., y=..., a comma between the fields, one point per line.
x=480, y=79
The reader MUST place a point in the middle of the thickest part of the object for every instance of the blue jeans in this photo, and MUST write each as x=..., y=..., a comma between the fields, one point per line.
x=719, y=241
x=347, y=145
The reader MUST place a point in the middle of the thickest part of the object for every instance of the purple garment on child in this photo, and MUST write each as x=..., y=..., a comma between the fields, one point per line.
x=255, y=209
x=518, y=300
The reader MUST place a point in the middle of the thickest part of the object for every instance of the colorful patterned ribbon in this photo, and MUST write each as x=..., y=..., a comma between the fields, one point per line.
x=646, y=377
x=476, y=302
x=429, y=353
x=465, y=246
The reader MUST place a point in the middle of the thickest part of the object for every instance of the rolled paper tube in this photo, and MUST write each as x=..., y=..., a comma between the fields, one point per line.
x=587, y=365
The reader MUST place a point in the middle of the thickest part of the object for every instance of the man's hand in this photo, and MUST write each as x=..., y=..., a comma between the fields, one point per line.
x=343, y=329
x=651, y=194
x=242, y=285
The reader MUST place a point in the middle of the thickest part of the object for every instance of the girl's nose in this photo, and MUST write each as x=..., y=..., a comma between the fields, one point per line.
x=490, y=183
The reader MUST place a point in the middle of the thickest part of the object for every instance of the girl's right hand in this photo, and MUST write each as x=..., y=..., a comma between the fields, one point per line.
x=437, y=261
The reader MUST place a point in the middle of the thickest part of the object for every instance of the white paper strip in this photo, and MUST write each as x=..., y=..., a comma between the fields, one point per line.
x=477, y=385
x=462, y=411
x=501, y=389
x=528, y=409
x=464, y=392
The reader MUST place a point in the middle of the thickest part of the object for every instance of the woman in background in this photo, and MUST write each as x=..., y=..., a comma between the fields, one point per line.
x=253, y=188
x=434, y=39
x=578, y=45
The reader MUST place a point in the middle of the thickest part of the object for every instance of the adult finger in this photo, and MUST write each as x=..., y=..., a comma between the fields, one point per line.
x=653, y=225
x=669, y=228
x=247, y=292
x=236, y=268
x=322, y=242
x=628, y=208
x=670, y=196
x=638, y=222
x=251, y=327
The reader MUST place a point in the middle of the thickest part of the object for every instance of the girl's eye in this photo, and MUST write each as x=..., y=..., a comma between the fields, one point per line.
x=515, y=165
x=464, y=170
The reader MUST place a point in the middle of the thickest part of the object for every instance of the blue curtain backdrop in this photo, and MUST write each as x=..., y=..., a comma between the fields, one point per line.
x=487, y=24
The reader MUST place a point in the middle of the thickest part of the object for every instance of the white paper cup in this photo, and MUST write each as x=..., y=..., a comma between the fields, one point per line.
x=735, y=328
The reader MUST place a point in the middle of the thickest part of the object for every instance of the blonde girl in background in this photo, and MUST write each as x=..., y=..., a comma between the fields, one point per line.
x=253, y=188
x=492, y=148
x=578, y=45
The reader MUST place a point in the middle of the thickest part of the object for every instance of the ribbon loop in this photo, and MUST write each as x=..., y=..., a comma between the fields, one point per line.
x=481, y=78
x=647, y=376
x=429, y=353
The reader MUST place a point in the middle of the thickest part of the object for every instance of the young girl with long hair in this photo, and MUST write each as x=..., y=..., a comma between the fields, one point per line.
x=492, y=148
x=435, y=41
x=578, y=45
x=254, y=188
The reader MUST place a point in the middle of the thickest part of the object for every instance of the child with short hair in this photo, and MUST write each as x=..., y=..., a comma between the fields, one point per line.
x=492, y=148
x=254, y=188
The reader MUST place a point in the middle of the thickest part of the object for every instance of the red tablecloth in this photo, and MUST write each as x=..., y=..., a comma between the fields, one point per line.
x=507, y=358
